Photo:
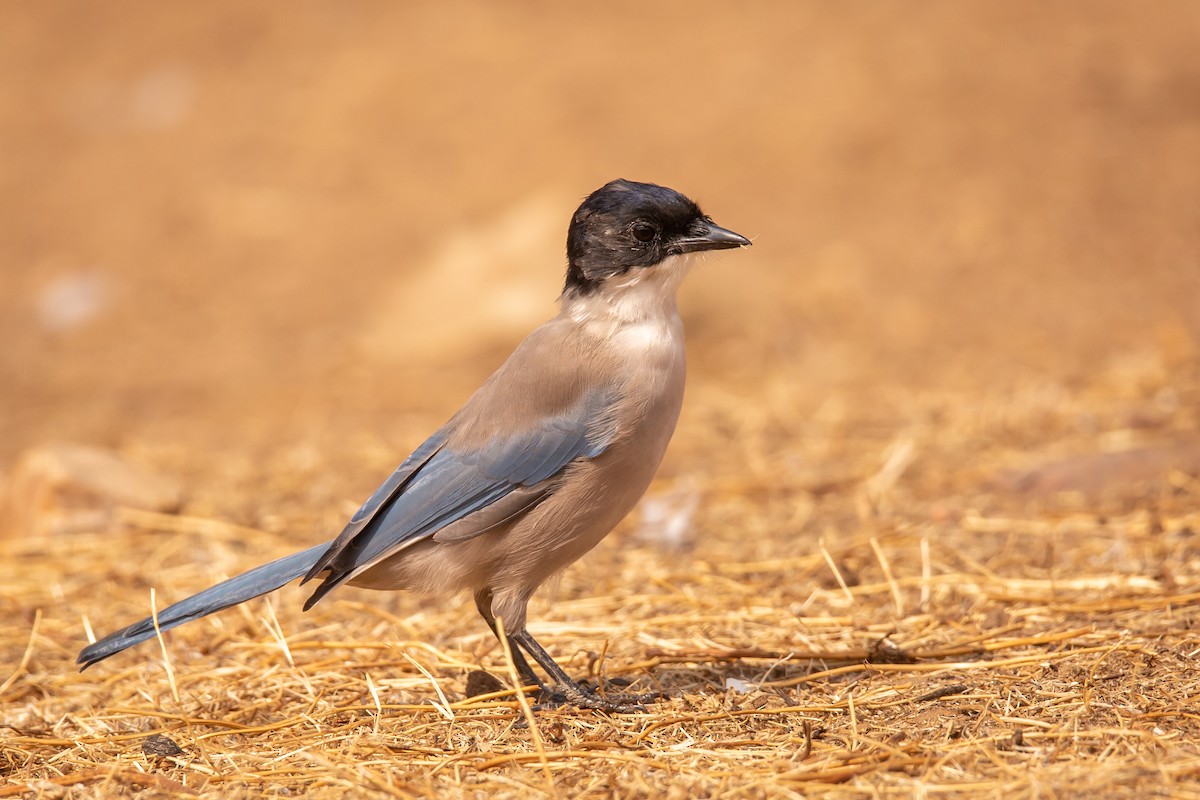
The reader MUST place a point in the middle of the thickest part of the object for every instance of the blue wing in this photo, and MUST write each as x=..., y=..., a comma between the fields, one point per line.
x=441, y=484
x=379, y=499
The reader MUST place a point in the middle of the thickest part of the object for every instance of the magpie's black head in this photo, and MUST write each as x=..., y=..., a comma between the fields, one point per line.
x=624, y=226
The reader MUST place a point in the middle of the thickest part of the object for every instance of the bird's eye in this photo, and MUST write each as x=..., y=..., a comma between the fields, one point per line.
x=643, y=232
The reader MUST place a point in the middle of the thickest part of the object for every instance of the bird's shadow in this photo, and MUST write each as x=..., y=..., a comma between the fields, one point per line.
x=744, y=675
x=701, y=679
x=719, y=677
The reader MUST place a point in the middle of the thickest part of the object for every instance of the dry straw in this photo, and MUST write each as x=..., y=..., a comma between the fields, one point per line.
x=916, y=634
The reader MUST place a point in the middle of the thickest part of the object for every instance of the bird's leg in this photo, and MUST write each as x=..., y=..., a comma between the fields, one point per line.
x=483, y=602
x=570, y=690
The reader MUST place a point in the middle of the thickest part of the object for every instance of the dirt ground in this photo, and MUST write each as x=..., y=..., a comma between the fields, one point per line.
x=929, y=522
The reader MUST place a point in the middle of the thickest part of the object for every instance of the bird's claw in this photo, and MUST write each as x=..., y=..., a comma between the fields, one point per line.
x=582, y=697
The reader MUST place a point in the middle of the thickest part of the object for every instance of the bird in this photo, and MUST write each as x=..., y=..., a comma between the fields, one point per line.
x=542, y=461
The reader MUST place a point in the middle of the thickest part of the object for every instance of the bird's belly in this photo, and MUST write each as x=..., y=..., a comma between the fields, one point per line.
x=592, y=497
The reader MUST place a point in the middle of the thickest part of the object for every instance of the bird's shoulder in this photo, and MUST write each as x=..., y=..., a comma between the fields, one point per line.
x=559, y=372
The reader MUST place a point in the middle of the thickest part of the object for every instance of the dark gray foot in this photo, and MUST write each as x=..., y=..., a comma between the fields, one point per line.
x=566, y=691
x=583, y=697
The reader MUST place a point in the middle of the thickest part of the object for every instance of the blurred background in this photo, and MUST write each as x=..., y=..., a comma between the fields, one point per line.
x=264, y=249
x=251, y=254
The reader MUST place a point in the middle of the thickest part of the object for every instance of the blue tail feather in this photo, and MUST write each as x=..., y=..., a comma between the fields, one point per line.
x=246, y=586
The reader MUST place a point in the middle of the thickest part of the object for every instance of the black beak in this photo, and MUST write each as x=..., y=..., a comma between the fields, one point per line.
x=705, y=235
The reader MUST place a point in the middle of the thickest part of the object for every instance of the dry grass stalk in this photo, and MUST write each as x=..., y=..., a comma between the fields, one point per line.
x=940, y=639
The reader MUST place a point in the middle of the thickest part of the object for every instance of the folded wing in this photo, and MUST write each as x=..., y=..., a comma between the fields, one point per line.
x=460, y=484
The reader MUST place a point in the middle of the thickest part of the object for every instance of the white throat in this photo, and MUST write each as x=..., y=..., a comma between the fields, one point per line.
x=642, y=295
